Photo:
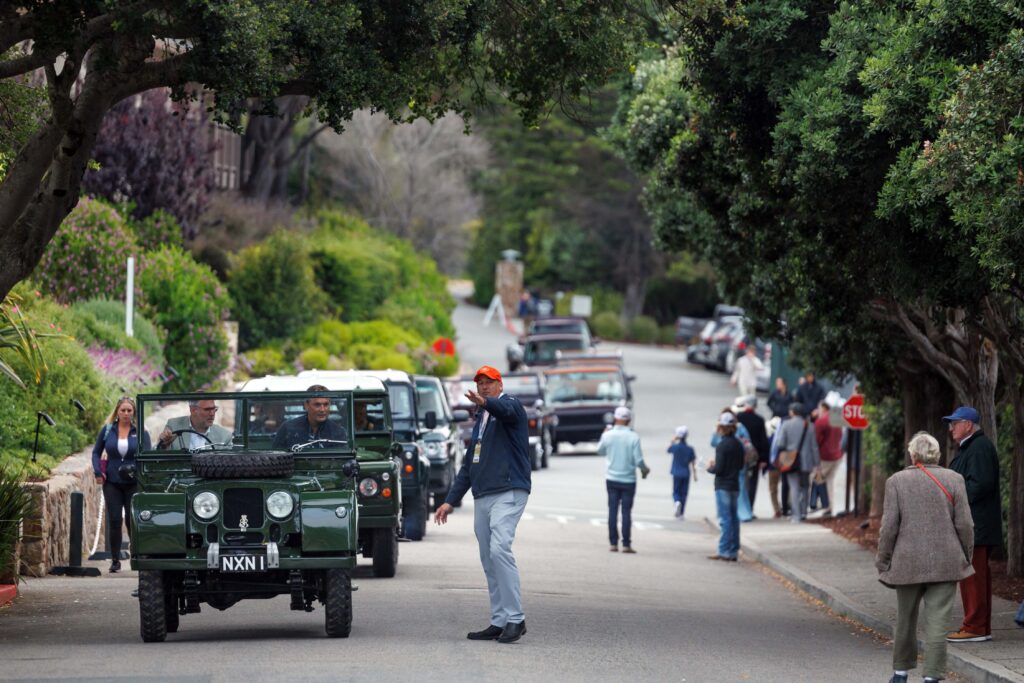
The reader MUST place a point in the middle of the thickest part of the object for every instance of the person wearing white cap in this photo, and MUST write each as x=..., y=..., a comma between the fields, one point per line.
x=620, y=447
x=684, y=464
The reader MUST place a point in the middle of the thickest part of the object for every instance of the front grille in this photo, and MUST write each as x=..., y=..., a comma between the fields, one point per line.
x=238, y=502
x=239, y=538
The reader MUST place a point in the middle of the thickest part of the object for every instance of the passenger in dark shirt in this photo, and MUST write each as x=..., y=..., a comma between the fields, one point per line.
x=312, y=426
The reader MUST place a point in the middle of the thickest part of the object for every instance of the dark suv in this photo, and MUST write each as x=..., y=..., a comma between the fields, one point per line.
x=254, y=515
x=439, y=429
x=582, y=399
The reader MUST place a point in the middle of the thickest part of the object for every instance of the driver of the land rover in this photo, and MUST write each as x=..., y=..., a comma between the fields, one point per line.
x=200, y=425
x=314, y=428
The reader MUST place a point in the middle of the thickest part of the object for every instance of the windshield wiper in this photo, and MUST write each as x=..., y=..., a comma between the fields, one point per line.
x=302, y=446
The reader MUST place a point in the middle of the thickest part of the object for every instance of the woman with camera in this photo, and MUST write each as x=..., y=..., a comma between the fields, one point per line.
x=113, y=463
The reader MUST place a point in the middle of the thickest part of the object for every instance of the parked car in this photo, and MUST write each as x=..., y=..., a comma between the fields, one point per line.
x=442, y=439
x=714, y=342
x=561, y=325
x=221, y=523
x=688, y=329
x=582, y=399
x=457, y=388
x=539, y=350
x=528, y=388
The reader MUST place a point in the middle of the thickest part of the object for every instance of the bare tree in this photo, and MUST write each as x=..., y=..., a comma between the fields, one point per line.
x=411, y=179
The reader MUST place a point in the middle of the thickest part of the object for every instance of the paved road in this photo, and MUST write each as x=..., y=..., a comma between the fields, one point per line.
x=664, y=614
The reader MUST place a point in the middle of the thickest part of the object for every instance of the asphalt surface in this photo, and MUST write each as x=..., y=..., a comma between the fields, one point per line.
x=665, y=614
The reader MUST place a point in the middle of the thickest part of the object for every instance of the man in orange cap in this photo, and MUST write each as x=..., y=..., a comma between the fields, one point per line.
x=497, y=469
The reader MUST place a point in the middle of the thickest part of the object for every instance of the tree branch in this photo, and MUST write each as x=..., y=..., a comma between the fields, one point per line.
x=949, y=367
x=304, y=142
x=21, y=65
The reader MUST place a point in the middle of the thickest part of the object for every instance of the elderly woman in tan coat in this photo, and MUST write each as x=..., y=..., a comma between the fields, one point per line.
x=924, y=549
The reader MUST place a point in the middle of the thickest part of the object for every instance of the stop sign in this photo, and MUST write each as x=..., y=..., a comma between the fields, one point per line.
x=853, y=412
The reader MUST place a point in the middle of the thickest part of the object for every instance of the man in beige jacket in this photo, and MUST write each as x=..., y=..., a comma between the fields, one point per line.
x=924, y=549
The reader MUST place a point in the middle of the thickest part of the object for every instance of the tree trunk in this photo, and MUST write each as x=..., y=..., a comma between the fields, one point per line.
x=878, y=478
x=633, y=299
x=1015, y=513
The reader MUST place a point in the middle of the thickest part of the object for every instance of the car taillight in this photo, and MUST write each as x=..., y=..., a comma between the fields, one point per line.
x=533, y=423
x=742, y=346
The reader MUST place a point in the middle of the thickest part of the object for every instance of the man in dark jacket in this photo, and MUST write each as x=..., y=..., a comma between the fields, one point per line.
x=810, y=394
x=758, y=439
x=976, y=461
x=497, y=469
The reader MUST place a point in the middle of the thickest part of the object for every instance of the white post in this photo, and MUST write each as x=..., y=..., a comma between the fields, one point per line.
x=129, y=299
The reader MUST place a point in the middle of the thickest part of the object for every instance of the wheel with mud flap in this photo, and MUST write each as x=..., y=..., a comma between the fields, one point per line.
x=385, y=552
x=414, y=519
x=337, y=599
x=152, y=606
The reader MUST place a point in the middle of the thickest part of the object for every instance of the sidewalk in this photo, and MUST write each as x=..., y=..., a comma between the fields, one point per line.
x=842, y=575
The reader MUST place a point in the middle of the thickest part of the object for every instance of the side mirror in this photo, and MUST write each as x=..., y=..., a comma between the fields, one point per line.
x=396, y=450
x=631, y=378
x=430, y=419
x=351, y=468
x=460, y=415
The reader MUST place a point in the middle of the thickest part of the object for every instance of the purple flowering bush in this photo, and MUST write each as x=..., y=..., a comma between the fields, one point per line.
x=87, y=257
x=185, y=299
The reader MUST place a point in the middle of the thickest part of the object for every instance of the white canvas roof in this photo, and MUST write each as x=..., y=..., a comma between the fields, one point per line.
x=334, y=381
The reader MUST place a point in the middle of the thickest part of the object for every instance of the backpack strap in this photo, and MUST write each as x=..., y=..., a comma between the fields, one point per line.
x=937, y=482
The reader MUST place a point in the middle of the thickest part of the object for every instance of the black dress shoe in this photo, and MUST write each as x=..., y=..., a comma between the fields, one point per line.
x=115, y=566
x=512, y=632
x=492, y=632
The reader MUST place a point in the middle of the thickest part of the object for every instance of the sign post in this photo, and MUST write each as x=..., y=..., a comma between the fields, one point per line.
x=857, y=421
x=129, y=299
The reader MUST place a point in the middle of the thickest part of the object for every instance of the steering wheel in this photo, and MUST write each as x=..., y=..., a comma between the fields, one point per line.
x=179, y=432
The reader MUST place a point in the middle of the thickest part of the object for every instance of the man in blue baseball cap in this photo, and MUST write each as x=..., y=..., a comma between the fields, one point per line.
x=977, y=462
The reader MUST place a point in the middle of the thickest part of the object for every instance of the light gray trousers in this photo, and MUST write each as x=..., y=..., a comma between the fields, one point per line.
x=495, y=518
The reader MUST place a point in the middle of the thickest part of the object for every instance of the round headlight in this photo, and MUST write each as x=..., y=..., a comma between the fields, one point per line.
x=279, y=504
x=433, y=448
x=368, y=487
x=206, y=505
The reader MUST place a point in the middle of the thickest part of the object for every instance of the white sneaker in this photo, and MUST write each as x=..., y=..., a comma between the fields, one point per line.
x=679, y=509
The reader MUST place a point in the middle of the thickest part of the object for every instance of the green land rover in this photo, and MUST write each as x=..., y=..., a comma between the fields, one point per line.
x=239, y=500
x=380, y=488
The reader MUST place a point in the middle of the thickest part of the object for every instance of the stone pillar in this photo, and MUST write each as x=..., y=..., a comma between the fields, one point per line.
x=508, y=283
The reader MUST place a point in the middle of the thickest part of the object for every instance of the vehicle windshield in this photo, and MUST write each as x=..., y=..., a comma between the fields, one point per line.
x=403, y=413
x=430, y=400
x=257, y=422
x=543, y=350
x=602, y=385
x=557, y=328
x=524, y=388
x=368, y=415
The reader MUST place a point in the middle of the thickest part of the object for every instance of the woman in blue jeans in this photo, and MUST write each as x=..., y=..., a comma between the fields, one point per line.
x=727, y=466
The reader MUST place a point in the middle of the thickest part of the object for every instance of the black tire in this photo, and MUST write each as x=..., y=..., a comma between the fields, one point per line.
x=152, y=606
x=237, y=466
x=545, y=449
x=553, y=438
x=337, y=599
x=385, y=552
x=414, y=519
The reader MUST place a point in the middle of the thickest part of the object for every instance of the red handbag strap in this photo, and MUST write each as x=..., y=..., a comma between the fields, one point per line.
x=937, y=482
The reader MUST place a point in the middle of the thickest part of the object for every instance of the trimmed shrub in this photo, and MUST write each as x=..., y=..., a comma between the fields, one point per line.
x=274, y=291
x=87, y=257
x=157, y=229
x=332, y=335
x=100, y=322
x=667, y=335
x=15, y=504
x=265, y=361
x=607, y=325
x=186, y=300
x=643, y=329
x=314, y=359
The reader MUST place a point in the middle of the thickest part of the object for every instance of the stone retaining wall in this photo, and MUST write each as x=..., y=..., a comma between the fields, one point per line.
x=45, y=536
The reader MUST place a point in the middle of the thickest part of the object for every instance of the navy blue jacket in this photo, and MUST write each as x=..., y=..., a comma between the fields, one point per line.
x=504, y=463
x=107, y=440
x=298, y=430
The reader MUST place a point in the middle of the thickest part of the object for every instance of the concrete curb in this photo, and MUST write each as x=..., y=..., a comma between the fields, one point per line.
x=7, y=593
x=977, y=669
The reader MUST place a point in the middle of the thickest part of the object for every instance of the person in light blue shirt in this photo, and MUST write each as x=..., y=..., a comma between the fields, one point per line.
x=620, y=447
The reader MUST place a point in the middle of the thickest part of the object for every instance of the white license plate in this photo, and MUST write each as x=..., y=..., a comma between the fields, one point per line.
x=243, y=563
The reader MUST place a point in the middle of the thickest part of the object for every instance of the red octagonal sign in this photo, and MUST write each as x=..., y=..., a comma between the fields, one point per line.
x=853, y=412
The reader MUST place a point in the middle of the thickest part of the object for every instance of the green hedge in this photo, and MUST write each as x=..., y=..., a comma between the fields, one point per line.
x=100, y=322
x=274, y=290
x=608, y=326
x=643, y=329
x=186, y=300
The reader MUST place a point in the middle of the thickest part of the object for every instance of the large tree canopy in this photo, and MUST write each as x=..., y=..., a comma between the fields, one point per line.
x=407, y=59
